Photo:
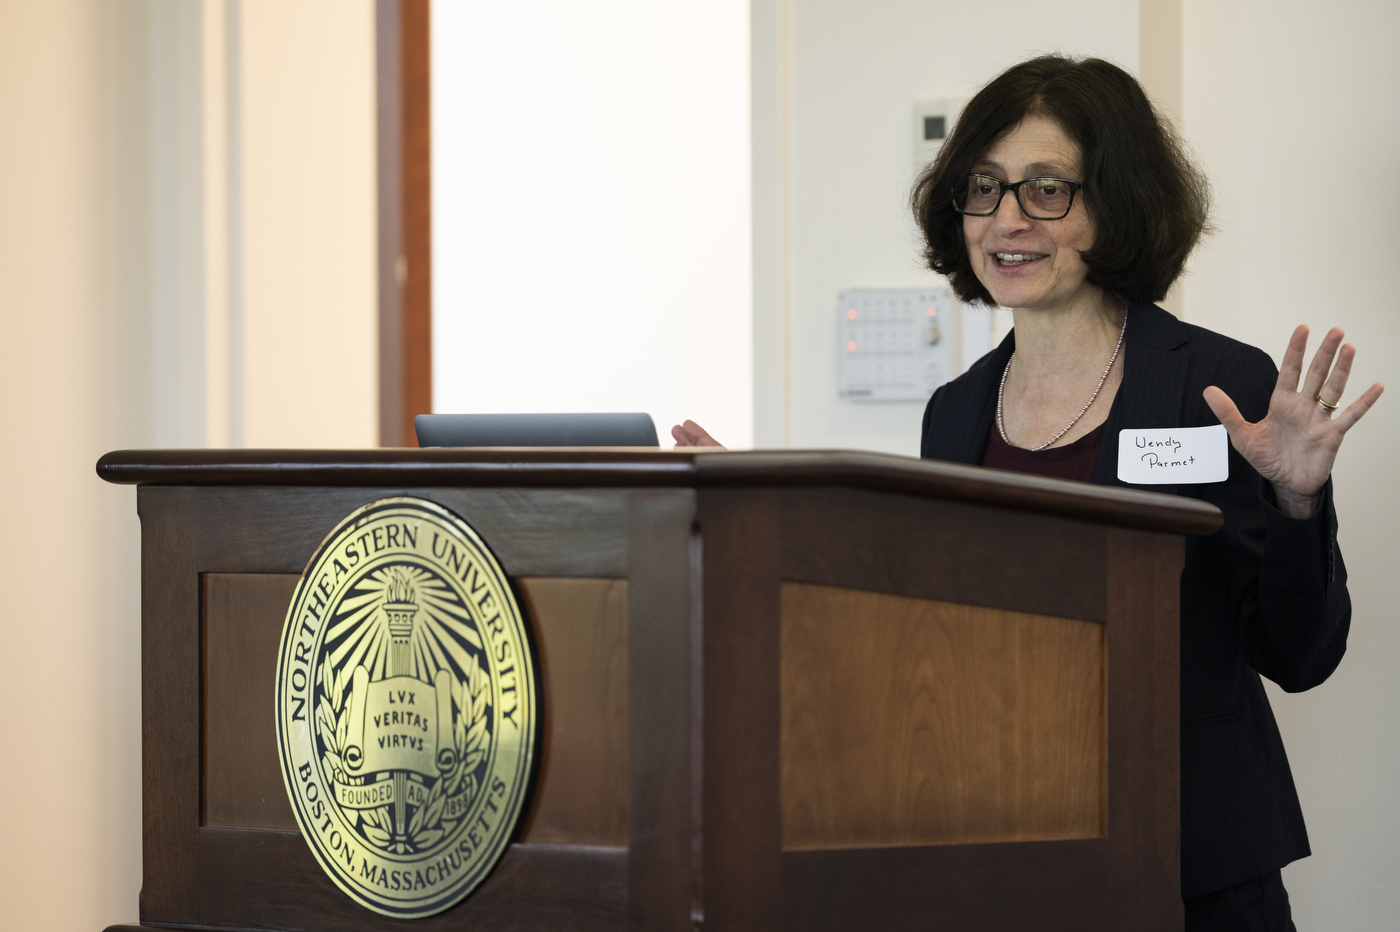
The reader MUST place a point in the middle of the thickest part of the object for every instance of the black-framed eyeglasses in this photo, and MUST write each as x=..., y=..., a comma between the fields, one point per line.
x=1040, y=198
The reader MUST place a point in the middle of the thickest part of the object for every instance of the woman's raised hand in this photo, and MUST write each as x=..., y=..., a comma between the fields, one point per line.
x=1296, y=443
x=691, y=434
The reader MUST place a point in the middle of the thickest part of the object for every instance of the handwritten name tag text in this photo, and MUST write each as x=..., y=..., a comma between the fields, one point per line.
x=1183, y=455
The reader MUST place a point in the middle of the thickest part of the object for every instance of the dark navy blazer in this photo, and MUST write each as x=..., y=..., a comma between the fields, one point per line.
x=1264, y=594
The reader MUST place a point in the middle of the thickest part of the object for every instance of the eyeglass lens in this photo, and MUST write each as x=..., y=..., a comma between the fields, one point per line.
x=1041, y=198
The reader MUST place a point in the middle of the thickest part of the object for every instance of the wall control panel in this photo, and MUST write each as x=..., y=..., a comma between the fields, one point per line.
x=894, y=344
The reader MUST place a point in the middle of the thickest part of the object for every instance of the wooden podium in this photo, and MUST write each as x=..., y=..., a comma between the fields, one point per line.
x=781, y=690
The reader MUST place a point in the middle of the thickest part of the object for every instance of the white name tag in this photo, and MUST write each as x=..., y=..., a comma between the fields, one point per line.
x=1179, y=456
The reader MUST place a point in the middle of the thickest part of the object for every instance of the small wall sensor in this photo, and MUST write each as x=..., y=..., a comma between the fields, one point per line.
x=933, y=121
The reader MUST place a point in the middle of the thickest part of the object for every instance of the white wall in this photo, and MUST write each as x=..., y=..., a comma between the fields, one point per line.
x=1287, y=103
x=591, y=246
x=128, y=319
x=834, y=89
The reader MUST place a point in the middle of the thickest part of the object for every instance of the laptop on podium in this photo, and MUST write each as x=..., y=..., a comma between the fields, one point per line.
x=535, y=430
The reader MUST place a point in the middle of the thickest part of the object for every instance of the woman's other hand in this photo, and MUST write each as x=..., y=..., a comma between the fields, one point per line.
x=691, y=434
x=1296, y=443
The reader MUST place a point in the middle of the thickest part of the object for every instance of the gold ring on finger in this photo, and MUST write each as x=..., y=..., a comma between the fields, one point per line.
x=1330, y=409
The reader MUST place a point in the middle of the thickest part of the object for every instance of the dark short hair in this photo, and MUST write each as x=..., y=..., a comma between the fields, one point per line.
x=1149, y=203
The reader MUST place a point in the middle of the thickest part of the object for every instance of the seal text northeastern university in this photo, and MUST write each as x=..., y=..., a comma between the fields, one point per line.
x=406, y=707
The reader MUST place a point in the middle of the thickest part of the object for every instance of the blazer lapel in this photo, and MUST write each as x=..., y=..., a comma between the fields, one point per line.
x=965, y=433
x=1154, y=377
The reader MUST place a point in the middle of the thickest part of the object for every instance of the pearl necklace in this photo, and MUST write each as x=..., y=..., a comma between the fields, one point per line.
x=1001, y=390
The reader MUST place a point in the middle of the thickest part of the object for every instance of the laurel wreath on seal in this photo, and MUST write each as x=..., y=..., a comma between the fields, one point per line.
x=472, y=742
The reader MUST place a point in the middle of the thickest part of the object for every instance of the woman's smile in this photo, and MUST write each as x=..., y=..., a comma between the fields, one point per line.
x=1017, y=259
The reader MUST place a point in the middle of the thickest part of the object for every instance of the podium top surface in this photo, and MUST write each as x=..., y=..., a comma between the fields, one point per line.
x=607, y=467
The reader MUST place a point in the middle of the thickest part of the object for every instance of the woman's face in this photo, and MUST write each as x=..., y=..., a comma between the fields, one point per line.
x=1025, y=263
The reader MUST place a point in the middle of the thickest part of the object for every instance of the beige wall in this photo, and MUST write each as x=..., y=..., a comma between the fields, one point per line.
x=1289, y=103
x=75, y=285
x=309, y=304
x=157, y=260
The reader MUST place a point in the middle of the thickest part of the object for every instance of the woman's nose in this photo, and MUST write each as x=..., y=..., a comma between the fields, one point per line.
x=1009, y=215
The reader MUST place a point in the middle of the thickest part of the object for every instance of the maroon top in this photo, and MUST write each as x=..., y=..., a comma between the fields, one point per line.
x=1075, y=461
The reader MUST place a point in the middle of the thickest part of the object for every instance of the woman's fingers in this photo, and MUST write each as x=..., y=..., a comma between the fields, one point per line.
x=1292, y=368
x=1225, y=409
x=688, y=434
x=691, y=434
x=700, y=436
x=1360, y=406
x=1322, y=362
x=1336, y=382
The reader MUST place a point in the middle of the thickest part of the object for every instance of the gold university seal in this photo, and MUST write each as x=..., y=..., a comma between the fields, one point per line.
x=406, y=707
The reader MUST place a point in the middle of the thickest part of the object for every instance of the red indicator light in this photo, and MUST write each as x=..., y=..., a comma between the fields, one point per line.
x=850, y=315
x=851, y=347
x=932, y=312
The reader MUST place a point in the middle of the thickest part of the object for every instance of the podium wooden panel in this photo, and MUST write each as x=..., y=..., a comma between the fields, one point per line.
x=781, y=690
x=913, y=721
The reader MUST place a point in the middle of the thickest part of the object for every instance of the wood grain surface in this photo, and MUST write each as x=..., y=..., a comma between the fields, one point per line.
x=600, y=467
x=920, y=722
x=404, y=150
x=704, y=627
x=1144, y=583
x=945, y=550
x=661, y=844
x=200, y=875
x=242, y=780
x=581, y=634
x=742, y=819
x=417, y=204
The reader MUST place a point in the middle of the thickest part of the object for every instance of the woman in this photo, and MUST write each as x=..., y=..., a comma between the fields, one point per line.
x=1062, y=195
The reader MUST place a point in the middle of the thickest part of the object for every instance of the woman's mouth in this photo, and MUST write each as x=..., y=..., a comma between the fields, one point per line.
x=1008, y=259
